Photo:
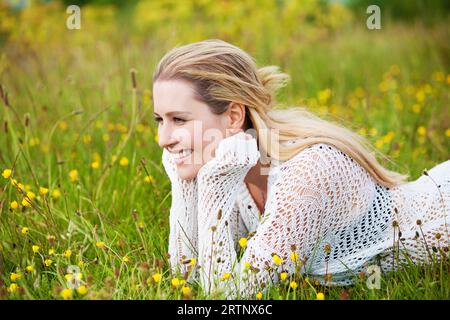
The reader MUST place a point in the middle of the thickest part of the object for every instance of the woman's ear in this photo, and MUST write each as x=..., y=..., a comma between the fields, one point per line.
x=236, y=115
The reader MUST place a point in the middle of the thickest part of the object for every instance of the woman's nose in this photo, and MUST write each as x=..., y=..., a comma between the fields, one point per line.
x=165, y=136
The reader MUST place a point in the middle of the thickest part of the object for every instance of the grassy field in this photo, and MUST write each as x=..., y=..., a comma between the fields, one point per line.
x=83, y=194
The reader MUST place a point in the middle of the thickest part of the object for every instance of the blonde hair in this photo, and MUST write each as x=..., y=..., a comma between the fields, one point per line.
x=221, y=73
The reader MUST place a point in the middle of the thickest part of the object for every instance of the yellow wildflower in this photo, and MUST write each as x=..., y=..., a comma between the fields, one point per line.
x=277, y=260
x=283, y=276
x=48, y=262
x=247, y=265
x=13, y=287
x=26, y=202
x=100, y=244
x=243, y=242
x=82, y=290
x=320, y=296
x=447, y=132
x=149, y=179
x=175, y=282
x=416, y=108
x=125, y=259
x=95, y=165
x=51, y=252
x=66, y=294
x=67, y=253
x=422, y=131
x=192, y=262
x=43, y=190
x=186, y=290
x=259, y=295
x=157, y=277
x=123, y=161
x=6, y=173
x=35, y=248
x=225, y=276
x=294, y=256
x=30, y=269
x=293, y=285
x=15, y=276
x=63, y=125
x=25, y=230
x=14, y=205
x=31, y=195
x=56, y=194
x=73, y=175
x=324, y=95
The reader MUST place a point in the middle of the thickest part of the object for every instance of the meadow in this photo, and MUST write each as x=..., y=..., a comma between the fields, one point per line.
x=84, y=198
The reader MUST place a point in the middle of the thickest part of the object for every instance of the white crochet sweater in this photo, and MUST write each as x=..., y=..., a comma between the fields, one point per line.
x=320, y=197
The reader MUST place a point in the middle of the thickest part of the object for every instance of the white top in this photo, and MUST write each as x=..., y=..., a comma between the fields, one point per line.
x=318, y=197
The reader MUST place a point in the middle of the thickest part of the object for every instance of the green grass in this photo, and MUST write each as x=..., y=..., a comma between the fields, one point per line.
x=71, y=103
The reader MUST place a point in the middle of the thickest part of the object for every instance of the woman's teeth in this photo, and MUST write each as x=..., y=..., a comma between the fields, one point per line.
x=182, y=154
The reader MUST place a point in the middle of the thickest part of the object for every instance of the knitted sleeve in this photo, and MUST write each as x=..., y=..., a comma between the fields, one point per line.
x=300, y=209
x=183, y=237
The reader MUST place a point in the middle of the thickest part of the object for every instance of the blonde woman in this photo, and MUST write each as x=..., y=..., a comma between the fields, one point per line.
x=257, y=191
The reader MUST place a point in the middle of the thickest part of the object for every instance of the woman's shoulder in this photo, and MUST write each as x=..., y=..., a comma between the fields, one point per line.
x=320, y=158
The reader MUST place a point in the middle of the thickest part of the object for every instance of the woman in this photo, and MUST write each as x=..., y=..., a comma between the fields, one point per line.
x=311, y=199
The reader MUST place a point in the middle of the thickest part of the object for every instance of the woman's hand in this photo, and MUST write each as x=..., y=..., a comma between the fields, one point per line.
x=236, y=153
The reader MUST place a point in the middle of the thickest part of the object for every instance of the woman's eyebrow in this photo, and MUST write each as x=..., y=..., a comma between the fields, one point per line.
x=174, y=113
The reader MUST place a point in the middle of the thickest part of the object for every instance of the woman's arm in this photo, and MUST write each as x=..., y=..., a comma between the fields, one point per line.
x=183, y=238
x=293, y=223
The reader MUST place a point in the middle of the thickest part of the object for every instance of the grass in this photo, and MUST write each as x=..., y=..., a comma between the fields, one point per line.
x=73, y=123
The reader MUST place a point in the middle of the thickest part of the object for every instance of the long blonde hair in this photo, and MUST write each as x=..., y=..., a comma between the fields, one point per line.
x=222, y=73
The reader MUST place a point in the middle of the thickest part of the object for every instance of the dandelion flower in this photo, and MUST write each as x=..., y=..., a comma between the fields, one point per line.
x=243, y=242
x=6, y=173
x=186, y=290
x=283, y=276
x=26, y=202
x=293, y=285
x=35, y=248
x=31, y=195
x=149, y=179
x=48, y=262
x=73, y=175
x=125, y=259
x=175, y=282
x=225, y=276
x=13, y=287
x=320, y=296
x=259, y=295
x=123, y=161
x=100, y=244
x=157, y=277
x=277, y=260
x=67, y=253
x=247, y=265
x=422, y=131
x=30, y=269
x=56, y=194
x=14, y=205
x=51, y=252
x=66, y=294
x=82, y=290
x=43, y=191
x=95, y=165
x=294, y=256
x=15, y=276
x=25, y=230
x=192, y=262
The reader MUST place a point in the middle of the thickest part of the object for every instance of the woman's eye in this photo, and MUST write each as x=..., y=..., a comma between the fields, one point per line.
x=179, y=120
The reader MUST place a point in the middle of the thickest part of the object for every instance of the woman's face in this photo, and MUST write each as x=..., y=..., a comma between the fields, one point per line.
x=186, y=124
